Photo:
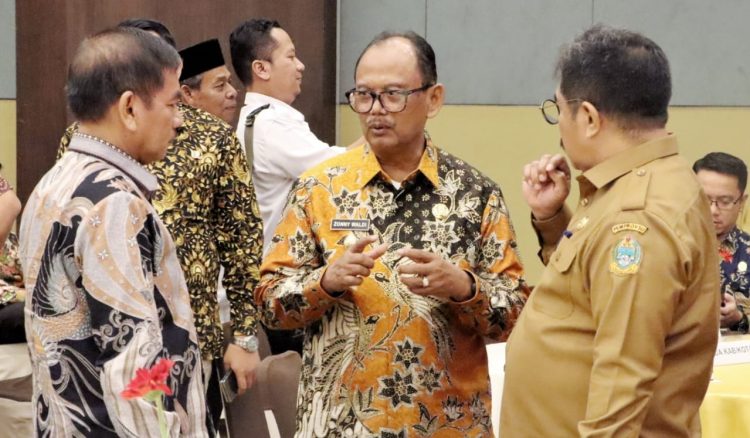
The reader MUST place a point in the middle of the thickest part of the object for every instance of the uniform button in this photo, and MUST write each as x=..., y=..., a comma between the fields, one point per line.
x=640, y=172
x=585, y=201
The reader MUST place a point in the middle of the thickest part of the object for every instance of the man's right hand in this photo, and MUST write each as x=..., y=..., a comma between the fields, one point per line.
x=730, y=314
x=546, y=185
x=349, y=269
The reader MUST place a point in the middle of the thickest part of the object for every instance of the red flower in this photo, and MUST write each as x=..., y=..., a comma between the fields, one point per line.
x=725, y=254
x=148, y=380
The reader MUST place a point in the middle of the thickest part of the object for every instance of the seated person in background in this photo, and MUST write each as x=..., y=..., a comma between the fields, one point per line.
x=12, y=293
x=10, y=207
x=724, y=178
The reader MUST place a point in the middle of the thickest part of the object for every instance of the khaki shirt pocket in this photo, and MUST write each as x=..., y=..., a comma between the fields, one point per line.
x=553, y=295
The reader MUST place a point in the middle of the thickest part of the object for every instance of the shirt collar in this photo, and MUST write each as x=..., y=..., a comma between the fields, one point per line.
x=731, y=236
x=625, y=161
x=255, y=100
x=142, y=177
x=428, y=166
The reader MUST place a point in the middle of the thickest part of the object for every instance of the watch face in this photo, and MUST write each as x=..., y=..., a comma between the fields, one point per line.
x=249, y=344
x=7, y=296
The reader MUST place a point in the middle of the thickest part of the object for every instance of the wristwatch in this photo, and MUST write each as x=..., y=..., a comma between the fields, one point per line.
x=7, y=296
x=742, y=326
x=247, y=343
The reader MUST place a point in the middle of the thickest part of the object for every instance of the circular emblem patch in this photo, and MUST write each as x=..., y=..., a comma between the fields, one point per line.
x=626, y=256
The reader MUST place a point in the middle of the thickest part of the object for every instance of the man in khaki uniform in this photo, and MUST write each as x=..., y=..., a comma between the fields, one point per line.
x=618, y=337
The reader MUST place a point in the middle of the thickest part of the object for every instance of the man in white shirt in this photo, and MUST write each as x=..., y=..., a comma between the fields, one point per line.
x=265, y=60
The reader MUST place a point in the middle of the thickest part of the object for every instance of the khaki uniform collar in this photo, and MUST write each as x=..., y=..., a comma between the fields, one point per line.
x=625, y=161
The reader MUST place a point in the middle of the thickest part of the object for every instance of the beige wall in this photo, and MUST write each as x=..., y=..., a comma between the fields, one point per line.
x=8, y=139
x=500, y=140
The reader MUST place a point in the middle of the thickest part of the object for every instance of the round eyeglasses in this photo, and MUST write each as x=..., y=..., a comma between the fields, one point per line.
x=393, y=101
x=551, y=111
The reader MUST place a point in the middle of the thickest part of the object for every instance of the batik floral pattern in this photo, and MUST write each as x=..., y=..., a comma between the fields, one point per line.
x=106, y=297
x=207, y=201
x=380, y=360
x=735, y=272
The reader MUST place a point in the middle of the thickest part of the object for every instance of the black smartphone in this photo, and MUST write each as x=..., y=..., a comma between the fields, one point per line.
x=228, y=386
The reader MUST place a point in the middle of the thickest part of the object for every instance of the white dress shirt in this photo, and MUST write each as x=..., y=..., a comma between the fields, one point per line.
x=283, y=148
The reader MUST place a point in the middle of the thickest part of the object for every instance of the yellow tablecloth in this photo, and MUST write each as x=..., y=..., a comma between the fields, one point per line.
x=725, y=411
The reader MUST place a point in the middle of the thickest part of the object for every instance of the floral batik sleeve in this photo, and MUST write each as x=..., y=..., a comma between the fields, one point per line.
x=500, y=289
x=289, y=293
x=239, y=235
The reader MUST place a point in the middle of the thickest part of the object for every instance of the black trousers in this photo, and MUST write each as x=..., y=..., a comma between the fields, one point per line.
x=11, y=324
x=285, y=340
x=214, y=402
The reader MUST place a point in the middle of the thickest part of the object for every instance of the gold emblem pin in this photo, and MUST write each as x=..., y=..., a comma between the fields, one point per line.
x=581, y=223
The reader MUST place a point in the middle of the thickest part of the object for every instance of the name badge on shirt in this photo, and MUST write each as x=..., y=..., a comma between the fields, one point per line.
x=350, y=224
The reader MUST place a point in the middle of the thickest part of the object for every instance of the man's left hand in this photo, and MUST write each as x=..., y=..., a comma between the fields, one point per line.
x=244, y=364
x=431, y=274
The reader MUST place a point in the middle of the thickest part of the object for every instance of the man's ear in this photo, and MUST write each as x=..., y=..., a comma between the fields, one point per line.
x=435, y=98
x=187, y=94
x=126, y=110
x=591, y=118
x=260, y=69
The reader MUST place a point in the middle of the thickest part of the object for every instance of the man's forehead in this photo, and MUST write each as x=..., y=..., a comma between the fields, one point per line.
x=394, y=57
x=392, y=47
x=282, y=40
x=217, y=73
x=719, y=179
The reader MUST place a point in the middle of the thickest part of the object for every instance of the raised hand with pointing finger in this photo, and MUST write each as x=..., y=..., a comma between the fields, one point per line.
x=348, y=271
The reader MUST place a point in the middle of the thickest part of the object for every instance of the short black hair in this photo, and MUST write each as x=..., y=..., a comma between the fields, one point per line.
x=422, y=50
x=112, y=62
x=726, y=164
x=150, y=26
x=249, y=41
x=624, y=74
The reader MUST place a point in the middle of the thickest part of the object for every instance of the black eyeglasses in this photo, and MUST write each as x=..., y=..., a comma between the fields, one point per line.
x=725, y=202
x=551, y=111
x=393, y=101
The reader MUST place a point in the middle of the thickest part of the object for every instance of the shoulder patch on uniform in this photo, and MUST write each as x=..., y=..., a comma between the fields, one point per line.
x=626, y=256
x=629, y=226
